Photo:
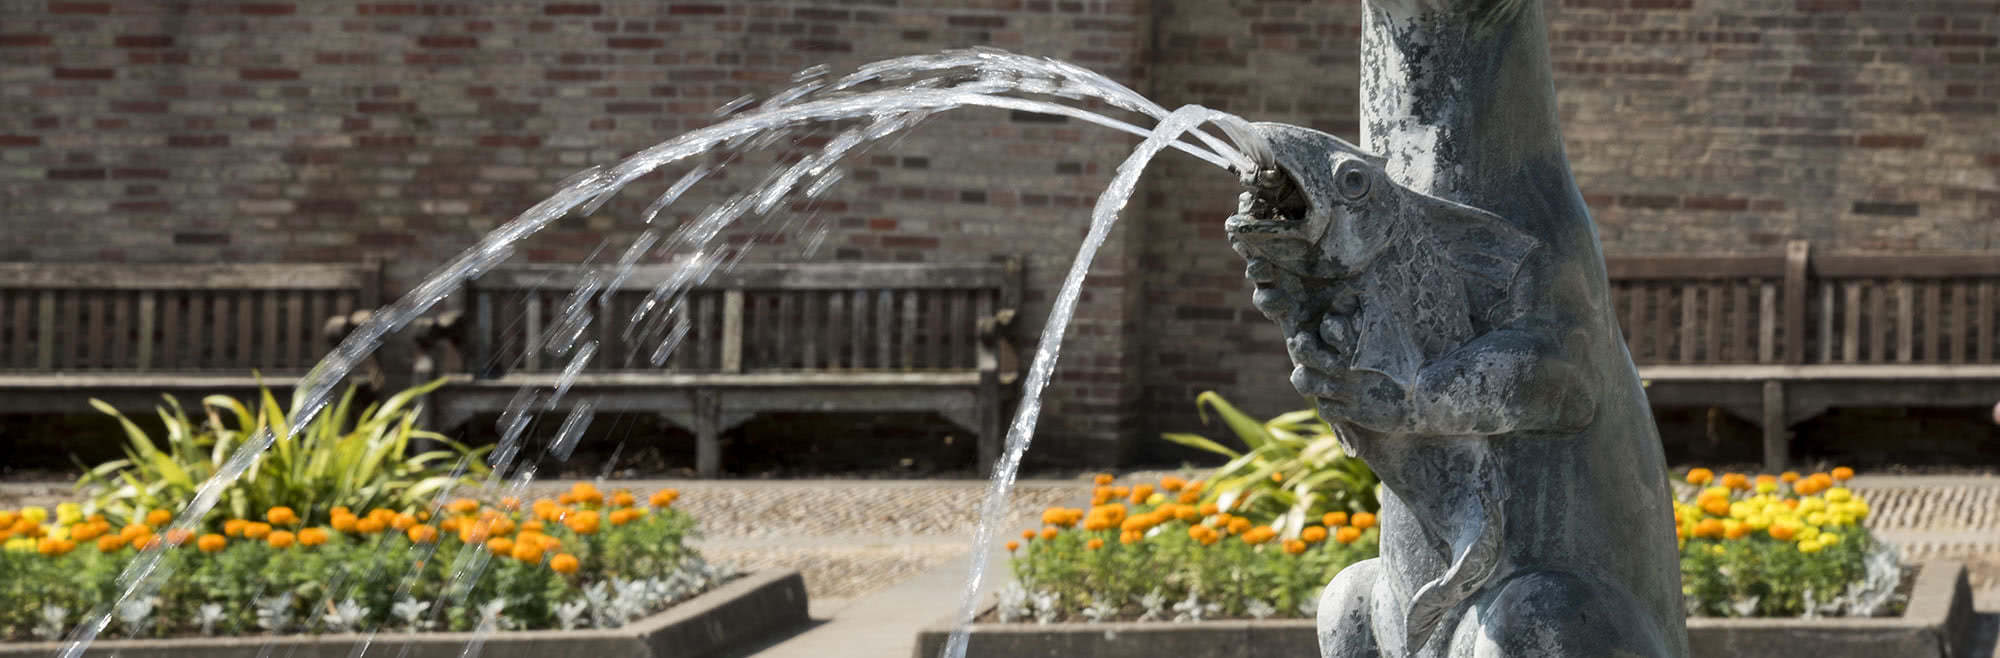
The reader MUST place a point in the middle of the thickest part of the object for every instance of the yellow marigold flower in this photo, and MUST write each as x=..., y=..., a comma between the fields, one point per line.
x=1295, y=546
x=1734, y=529
x=1048, y=533
x=623, y=498
x=110, y=543
x=1313, y=534
x=463, y=506
x=155, y=518
x=1843, y=473
x=255, y=531
x=563, y=563
x=69, y=513
x=1013, y=545
x=1810, y=547
x=370, y=525
x=421, y=534
x=1839, y=495
x=500, y=546
x=280, y=539
x=345, y=522
x=313, y=536
x=1700, y=476
x=1334, y=519
x=1764, y=487
x=1172, y=483
x=7, y=518
x=281, y=516
x=36, y=515
x=528, y=552
x=1103, y=478
x=1093, y=544
x=664, y=497
x=583, y=522
x=1364, y=520
x=1347, y=534
x=1259, y=535
x=1757, y=522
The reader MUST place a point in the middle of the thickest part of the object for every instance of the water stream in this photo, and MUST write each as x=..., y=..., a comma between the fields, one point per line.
x=878, y=101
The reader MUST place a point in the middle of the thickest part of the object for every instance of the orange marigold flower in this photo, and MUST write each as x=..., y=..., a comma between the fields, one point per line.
x=563, y=563
x=109, y=543
x=1716, y=506
x=178, y=536
x=1172, y=483
x=1708, y=528
x=49, y=546
x=1822, y=481
x=1130, y=537
x=664, y=497
x=345, y=522
x=1766, y=478
x=234, y=527
x=1295, y=546
x=1259, y=535
x=1843, y=473
x=280, y=539
x=500, y=546
x=1103, y=478
x=1313, y=534
x=463, y=506
x=421, y=534
x=1334, y=519
x=1239, y=525
x=1094, y=544
x=1209, y=509
x=1049, y=533
x=583, y=522
x=1736, y=481
x=158, y=517
x=1027, y=534
x=1347, y=534
x=146, y=543
x=84, y=531
x=510, y=503
x=1187, y=513
x=566, y=498
x=622, y=498
x=1364, y=520
x=529, y=552
x=585, y=492
x=370, y=525
x=281, y=516
x=1141, y=493
x=1700, y=476
x=402, y=522
x=1013, y=545
x=532, y=526
x=1277, y=476
x=256, y=531
x=1781, y=532
x=134, y=530
x=313, y=536
x=1188, y=497
x=1788, y=477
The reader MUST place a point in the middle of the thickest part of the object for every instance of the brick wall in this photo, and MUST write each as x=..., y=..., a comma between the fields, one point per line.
x=307, y=131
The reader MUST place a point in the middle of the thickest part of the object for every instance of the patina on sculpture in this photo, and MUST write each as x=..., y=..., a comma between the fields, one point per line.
x=1445, y=306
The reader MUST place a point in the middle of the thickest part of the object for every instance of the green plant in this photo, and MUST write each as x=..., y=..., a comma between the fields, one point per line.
x=1293, y=471
x=338, y=459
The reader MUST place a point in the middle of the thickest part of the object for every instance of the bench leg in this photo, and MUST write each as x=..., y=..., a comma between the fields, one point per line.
x=992, y=436
x=707, y=433
x=1776, y=448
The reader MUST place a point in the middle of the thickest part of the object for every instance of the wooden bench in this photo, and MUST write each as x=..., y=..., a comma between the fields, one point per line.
x=126, y=333
x=758, y=338
x=1778, y=339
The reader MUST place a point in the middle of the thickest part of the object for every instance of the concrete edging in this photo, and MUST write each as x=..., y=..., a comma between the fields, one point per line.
x=739, y=612
x=1937, y=623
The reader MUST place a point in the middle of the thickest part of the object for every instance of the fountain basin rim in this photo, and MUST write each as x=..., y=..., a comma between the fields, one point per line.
x=1937, y=622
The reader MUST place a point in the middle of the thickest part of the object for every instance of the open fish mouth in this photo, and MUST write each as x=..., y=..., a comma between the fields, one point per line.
x=1270, y=212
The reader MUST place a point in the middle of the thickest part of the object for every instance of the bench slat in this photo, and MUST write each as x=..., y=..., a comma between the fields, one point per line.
x=1850, y=344
x=1767, y=321
x=857, y=329
x=885, y=314
x=143, y=276
x=1688, y=301
x=1906, y=321
x=1983, y=349
x=149, y=305
x=907, y=331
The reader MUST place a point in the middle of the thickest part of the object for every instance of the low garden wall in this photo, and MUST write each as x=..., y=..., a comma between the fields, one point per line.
x=1937, y=623
x=747, y=609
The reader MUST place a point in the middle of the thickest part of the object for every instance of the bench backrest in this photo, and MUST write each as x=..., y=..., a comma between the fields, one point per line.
x=1809, y=309
x=174, y=318
x=750, y=318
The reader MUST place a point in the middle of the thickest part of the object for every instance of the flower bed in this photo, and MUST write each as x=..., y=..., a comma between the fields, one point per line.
x=586, y=560
x=1786, y=545
x=1150, y=552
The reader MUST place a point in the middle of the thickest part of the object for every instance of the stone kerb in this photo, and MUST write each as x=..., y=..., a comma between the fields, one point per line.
x=1936, y=624
x=741, y=612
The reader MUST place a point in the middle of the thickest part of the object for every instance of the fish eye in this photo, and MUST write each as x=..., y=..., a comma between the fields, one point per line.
x=1350, y=179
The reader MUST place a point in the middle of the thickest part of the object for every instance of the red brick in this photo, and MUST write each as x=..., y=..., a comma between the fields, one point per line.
x=1715, y=203
x=633, y=108
x=143, y=41
x=1890, y=141
x=20, y=140
x=268, y=8
x=1646, y=201
x=976, y=21
x=269, y=74
x=83, y=74
x=23, y=40
x=682, y=9
x=573, y=75
x=573, y=10
x=76, y=174
x=1828, y=5
x=634, y=42
x=447, y=41
x=197, y=141
x=150, y=106
x=79, y=7
x=510, y=141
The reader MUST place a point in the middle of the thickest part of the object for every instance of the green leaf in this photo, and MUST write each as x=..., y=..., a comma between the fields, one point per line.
x=1202, y=442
